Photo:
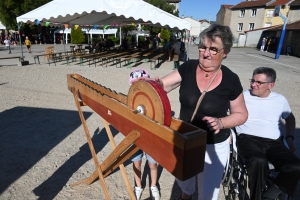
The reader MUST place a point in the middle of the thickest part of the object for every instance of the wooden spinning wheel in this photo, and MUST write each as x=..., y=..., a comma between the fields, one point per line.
x=148, y=98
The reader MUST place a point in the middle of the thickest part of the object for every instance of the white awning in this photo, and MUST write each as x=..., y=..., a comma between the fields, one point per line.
x=2, y=26
x=103, y=13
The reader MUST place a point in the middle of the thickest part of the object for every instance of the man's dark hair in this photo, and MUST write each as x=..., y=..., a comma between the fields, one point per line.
x=269, y=72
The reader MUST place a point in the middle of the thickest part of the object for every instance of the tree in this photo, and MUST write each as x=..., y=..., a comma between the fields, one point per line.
x=163, y=5
x=165, y=35
x=11, y=9
x=77, y=36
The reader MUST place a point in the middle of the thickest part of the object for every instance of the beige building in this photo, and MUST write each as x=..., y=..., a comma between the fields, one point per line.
x=269, y=19
x=195, y=30
x=247, y=15
x=294, y=12
x=204, y=24
x=224, y=15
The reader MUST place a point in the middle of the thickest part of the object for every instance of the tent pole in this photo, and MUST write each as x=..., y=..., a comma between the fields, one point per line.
x=19, y=28
x=64, y=39
x=54, y=38
x=88, y=35
x=120, y=35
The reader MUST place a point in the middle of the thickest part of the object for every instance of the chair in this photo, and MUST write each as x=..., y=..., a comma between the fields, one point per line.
x=72, y=48
x=235, y=177
x=47, y=53
x=79, y=48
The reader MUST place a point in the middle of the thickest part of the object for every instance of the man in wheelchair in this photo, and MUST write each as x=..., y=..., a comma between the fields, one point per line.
x=259, y=142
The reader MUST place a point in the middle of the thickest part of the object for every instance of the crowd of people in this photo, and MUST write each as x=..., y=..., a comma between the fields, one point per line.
x=101, y=45
x=14, y=38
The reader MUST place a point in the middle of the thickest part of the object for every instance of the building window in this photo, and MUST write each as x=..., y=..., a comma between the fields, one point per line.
x=253, y=13
x=242, y=13
x=240, y=26
x=268, y=24
x=251, y=26
x=270, y=13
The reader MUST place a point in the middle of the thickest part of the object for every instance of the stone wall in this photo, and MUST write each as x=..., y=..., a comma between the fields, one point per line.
x=294, y=14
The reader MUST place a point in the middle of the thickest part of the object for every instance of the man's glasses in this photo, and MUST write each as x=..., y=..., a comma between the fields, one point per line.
x=257, y=82
x=212, y=50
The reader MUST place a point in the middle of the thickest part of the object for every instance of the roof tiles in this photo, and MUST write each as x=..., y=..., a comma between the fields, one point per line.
x=280, y=2
x=227, y=6
x=247, y=4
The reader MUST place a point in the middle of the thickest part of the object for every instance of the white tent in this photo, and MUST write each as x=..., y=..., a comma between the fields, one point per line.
x=88, y=31
x=2, y=27
x=103, y=12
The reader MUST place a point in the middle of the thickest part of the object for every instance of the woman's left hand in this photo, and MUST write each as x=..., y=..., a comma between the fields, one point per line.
x=213, y=124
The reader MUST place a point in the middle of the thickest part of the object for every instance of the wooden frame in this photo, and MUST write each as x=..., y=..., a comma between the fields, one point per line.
x=174, y=147
x=119, y=155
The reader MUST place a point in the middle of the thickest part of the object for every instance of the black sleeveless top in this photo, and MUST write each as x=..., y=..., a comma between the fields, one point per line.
x=215, y=102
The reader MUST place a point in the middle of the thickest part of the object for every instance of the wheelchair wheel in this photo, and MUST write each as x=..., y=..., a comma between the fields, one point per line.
x=229, y=187
x=234, y=180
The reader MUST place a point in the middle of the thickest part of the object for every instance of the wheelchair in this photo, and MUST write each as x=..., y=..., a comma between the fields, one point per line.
x=234, y=180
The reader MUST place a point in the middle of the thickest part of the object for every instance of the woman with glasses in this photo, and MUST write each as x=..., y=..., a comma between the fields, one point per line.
x=223, y=94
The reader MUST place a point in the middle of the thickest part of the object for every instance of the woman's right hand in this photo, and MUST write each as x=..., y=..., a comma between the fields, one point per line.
x=158, y=80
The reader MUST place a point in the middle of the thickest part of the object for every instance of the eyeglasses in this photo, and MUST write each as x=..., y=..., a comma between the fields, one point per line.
x=257, y=82
x=212, y=50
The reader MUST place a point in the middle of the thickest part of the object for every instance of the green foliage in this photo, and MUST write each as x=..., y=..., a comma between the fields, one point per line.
x=163, y=5
x=142, y=38
x=116, y=40
x=11, y=9
x=128, y=38
x=77, y=36
x=165, y=34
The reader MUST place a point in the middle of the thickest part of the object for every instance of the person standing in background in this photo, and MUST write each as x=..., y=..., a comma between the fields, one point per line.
x=28, y=44
x=263, y=43
x=269, y=44
x=7, y=44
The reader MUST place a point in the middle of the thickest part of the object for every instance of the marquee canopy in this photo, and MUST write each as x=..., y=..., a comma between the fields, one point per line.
x=2, y=26
x=102, y=13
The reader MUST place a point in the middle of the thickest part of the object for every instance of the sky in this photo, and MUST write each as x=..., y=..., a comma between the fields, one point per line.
x=203, y=9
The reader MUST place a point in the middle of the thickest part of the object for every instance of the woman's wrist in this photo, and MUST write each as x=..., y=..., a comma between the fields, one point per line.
x=221, y=123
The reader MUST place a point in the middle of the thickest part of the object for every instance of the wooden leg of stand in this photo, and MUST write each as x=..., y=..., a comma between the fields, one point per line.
x=128, y=153
x=112, y=161
x=94, y=155
x=122, y=168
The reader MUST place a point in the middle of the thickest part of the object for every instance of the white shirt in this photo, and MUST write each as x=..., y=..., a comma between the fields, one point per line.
x=7, y=42
x=264, y=115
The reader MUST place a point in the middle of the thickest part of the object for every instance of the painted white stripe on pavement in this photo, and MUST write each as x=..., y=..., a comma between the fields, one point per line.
x=270, y=60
